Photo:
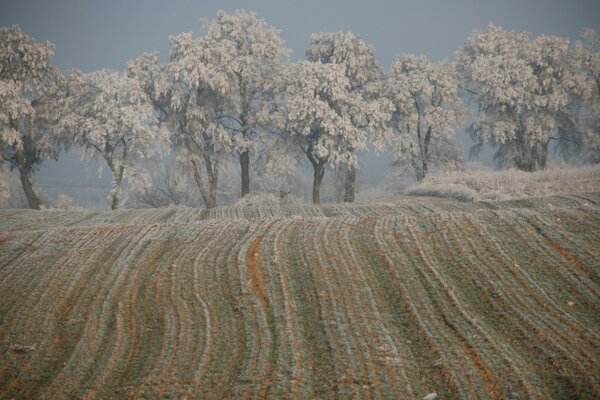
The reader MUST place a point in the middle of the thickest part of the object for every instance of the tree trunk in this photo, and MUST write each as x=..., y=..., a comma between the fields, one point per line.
x=116, y=198
x=419, y=166
x=117, y=170
x=245, y=166
x=211, y=202
x=350, y=185
x=32, y=200
x=24, y=166
x=524, y=165
x=212, y=197
x=526, y=159
x=212, y=171
x=525, y=156
x=319, y=172
x=118, y=179
x=424, y=169
x=424, y=155
x=543, y=156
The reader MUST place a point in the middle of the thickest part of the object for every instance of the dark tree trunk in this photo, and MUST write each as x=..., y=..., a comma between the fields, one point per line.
x=209, y=196
x=350, y=185
x=424, y=151
x=213, y=180
x=211, y=202
x=200, y=183
x=116, y=197
x=212, y=171
x=24, y=163
x=245, y=166
x=424, y=169
x=117, y=170
x=526, y=165
x=543, y=156
x=526, y=159
x=32, y=199
x=319, y=172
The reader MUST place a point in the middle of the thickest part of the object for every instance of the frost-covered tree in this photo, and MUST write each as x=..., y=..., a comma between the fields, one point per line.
x=190, y=95
x=31, y=92
x=357, y=57
x=111, y=117
x=523, y=89
x=587, y=57
x=216, y=93
x=241, y=55
x=4, y=187
x=153, y=78
x=427, y=110
x=170, y=187
x=322, y=118
x=202, y=99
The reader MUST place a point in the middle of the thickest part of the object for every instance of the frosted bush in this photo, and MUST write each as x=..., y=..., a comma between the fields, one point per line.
x=473, y=185
x=269, y=200
x=260, y=199
x=450, y=190
x=64, y=202
x=4, y=188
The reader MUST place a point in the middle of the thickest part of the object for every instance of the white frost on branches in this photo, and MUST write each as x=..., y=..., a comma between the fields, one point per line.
x=587, y=55
x=523, y=89
x=4, y=187
x=357, y=59
x=325, y=120
x=111, y=116
x=427, y=110
x=356, y=56
x=14, y=109
x=238, y=60
x=31, y=93
x=216, y=93
x=199, y=95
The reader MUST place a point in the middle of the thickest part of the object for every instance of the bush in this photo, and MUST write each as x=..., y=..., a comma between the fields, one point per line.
x=269, y=200
x=474, y=185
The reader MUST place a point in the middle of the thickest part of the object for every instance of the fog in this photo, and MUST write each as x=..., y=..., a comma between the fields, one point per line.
x=92, y=35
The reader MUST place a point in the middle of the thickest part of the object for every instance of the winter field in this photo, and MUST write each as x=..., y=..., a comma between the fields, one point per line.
x=492, y=299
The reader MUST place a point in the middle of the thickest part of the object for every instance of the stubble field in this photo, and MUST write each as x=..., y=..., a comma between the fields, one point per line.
x=391, y=300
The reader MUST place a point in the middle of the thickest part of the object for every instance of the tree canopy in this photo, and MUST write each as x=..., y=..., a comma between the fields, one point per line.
x=32, y=92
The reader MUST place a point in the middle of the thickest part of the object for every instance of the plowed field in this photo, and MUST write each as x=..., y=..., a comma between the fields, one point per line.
x=491, y=300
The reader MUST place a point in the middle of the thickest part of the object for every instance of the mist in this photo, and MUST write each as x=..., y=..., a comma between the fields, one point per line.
x=91, y=36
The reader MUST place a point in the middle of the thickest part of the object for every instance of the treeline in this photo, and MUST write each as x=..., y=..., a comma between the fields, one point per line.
x=234, y=93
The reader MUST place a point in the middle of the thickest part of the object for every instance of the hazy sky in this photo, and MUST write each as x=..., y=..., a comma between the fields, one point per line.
x=91, y=35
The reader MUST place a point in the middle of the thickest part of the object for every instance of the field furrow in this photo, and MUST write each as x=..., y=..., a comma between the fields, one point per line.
x=371, y=301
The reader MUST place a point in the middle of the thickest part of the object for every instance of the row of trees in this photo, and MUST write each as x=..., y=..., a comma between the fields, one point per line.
x=233, y=92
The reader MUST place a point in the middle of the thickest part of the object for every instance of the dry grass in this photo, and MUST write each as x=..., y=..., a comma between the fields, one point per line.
x=475, y=185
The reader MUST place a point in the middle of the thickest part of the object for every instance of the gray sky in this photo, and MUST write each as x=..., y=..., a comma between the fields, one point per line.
x=90, y=35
